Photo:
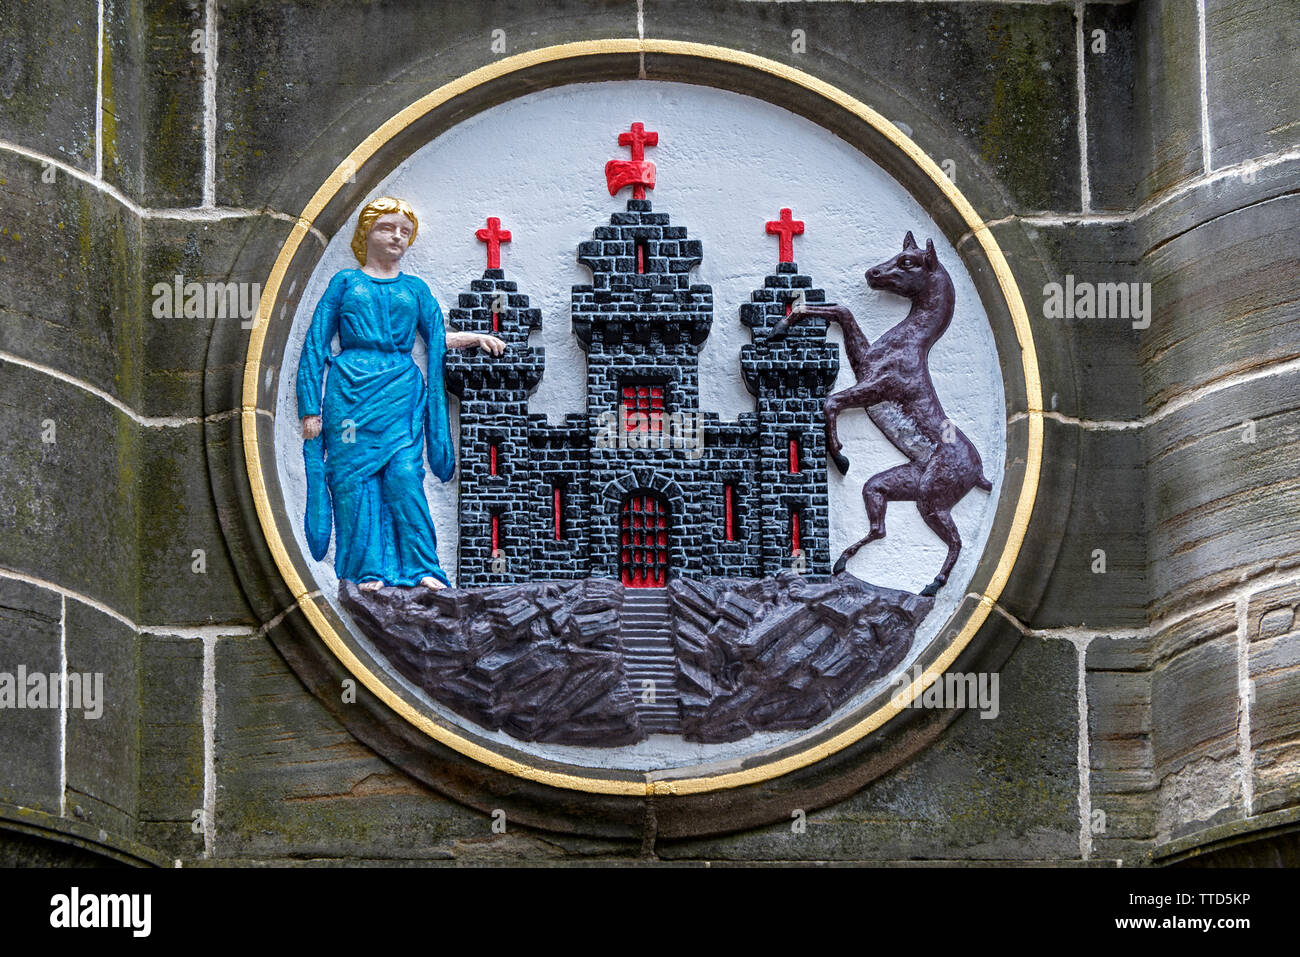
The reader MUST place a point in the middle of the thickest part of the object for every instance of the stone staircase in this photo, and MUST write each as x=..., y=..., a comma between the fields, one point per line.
x=649, y=656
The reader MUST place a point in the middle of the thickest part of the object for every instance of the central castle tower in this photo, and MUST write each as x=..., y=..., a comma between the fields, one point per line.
x=644, y=486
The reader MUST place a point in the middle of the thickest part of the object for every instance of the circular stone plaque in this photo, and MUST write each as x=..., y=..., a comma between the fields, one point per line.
x=645, y=529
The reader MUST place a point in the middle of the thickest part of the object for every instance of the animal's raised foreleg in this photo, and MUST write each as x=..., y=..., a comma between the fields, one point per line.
x=803, y=311
x=836, y=313
x=863, y=394
x=834, y=448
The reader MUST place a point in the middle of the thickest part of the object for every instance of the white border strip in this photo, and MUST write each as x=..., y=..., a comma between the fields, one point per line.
x=63, y=706
x=1085, y=182
x=1205, y=93
x=99, y=95
x=210, y=105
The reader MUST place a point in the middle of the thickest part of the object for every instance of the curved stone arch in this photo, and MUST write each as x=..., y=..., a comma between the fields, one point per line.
x=649, y=480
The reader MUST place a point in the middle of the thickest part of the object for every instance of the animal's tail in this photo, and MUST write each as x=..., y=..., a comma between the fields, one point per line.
x=983, y=483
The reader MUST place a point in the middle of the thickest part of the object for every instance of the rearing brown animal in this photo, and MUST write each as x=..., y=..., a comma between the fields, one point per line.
x=895, y=390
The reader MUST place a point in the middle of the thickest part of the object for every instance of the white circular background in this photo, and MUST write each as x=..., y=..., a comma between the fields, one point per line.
x=727, y=163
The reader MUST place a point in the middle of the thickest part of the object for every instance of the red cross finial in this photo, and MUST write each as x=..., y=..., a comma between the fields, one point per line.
x=494, y=236
x=638, y=172
x=787, y=228
x=638, y=139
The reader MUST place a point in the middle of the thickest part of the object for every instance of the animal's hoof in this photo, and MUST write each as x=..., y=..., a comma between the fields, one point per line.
x=932, y=589
x=841, y=462
x=779, y=331
x=840, y=564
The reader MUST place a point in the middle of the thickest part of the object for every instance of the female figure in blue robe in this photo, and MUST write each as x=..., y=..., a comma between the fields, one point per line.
x=378, y=414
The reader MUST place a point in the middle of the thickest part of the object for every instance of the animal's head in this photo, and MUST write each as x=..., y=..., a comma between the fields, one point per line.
x=909, y=273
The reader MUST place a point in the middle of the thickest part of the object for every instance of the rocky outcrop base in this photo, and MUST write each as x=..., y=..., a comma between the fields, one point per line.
x=779, y=654
x=541, y=661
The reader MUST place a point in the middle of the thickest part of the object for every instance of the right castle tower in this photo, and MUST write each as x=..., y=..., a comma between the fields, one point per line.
x=790, y=379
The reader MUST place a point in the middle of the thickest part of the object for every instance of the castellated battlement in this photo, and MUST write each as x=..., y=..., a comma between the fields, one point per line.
x=645, y=486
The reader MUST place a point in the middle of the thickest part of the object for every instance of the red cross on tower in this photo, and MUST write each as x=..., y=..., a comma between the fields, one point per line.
x=494, y=236
x=787, y=228
x=637, y=172
x=638, y=139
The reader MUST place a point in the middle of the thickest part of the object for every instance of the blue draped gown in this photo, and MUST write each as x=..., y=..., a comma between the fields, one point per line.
x=378, y=416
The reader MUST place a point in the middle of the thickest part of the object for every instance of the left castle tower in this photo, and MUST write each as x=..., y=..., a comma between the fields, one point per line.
x=495, y=523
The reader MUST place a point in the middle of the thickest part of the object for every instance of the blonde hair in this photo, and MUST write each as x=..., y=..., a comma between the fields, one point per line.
x=372, y=211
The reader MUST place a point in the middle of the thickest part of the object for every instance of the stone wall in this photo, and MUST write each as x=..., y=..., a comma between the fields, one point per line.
x=1148, y=638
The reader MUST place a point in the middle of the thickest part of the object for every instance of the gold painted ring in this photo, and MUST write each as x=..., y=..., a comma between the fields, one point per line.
x=678, y=780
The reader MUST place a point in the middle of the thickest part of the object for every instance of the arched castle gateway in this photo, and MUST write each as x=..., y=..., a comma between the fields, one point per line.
x=644, y=486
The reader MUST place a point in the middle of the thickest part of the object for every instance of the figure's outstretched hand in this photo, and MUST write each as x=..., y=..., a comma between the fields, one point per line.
x=491, y=344
x=311, y=426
